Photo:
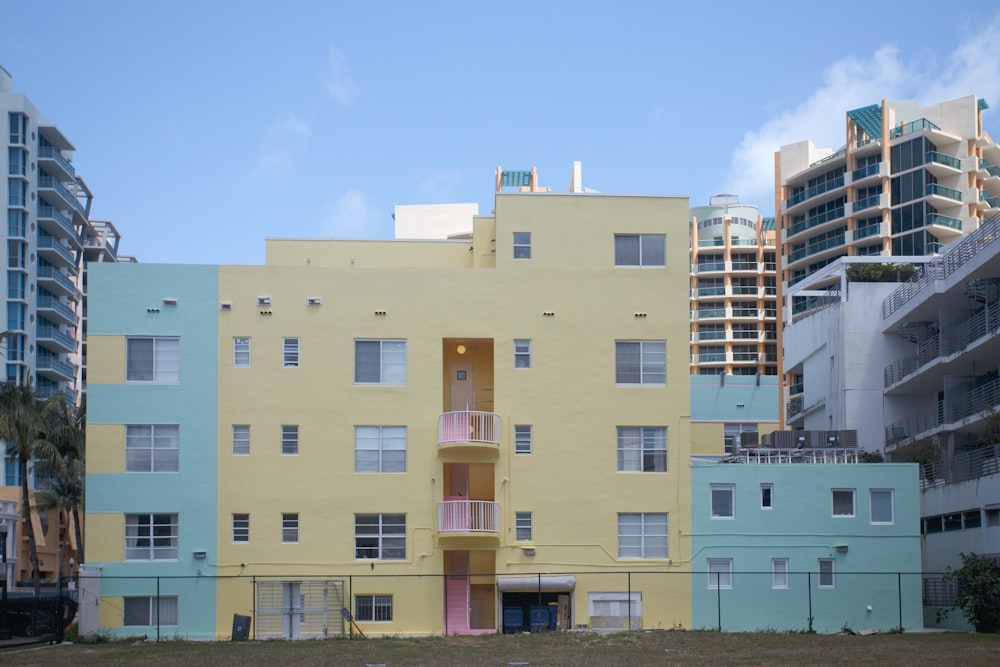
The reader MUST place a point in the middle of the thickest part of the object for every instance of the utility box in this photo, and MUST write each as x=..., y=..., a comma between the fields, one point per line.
x=241, y=628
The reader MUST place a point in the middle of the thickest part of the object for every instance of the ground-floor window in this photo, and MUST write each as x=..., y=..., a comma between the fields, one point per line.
x=373, y=607
x=150, y=610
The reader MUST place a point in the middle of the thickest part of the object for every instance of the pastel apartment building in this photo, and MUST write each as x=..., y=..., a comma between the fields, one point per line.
x=734, y=292
x=436, y=435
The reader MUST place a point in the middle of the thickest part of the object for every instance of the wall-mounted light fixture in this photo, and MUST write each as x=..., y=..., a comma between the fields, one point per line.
x=460, y=349
x=199, y=555
x=529, y=552
x=169, y=301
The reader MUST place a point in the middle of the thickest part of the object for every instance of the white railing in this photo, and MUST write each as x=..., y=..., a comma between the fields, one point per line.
x=469, y=426
x=468, y=516
x=765, y=456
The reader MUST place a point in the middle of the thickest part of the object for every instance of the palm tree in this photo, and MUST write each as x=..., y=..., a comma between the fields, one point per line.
x=22, y=425
x=62, y=456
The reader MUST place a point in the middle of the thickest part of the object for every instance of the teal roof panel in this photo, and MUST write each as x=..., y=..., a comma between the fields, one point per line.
x=868, y=119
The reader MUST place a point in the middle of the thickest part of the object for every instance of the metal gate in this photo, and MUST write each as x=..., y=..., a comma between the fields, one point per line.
x=300, y=609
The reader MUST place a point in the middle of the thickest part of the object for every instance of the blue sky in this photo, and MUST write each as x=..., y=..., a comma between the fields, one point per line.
x=205, y=127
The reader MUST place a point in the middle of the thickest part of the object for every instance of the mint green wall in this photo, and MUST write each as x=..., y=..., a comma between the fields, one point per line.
x=881, y=564
x=718, y=398
x=119, y=299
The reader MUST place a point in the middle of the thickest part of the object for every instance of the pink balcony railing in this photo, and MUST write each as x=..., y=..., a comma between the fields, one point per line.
x=469, y=426
x=468, y=516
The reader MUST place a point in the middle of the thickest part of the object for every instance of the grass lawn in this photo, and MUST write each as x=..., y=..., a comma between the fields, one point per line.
x=555, y=649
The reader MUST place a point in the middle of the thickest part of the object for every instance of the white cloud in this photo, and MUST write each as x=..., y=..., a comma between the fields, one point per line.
x=351, y=215
x=277, y=146
x=337, y=79
x=971, y=68
x=440, y=186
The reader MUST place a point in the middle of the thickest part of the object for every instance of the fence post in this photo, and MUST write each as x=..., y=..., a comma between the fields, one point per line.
x=899, y=597
x=809, y=587
x=350, y=605
x=253, y=603
x=157, y=609
x=629, y=573
x=718, y=599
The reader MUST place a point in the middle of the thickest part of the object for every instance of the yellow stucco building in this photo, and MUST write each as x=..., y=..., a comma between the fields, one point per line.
x=438, y=436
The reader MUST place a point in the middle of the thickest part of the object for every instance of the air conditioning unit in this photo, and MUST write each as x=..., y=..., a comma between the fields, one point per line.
x=263, y=301
x=226, y=305
x=314, y=301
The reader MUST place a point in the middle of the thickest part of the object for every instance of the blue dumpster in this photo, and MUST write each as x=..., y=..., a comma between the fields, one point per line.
x=539, y=618
x=513, y=620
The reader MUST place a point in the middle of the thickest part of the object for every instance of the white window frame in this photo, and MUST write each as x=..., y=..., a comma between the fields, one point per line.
x=618, y=605
x=522, y=526
x=390, y=371
x=290, y=352
x=779, y=573
x=722, y=488
x=767, y=496
x=241, y=528
x=720, y=573
x=289, y=439
x=651, y=371
x=650, y=454
x=646, y=519
x=241, y=439
x=379, y=445
x=145, y=539
x=160, y=610
x=164, y=362
x=641, y=260
x=380, y=536
x=892, y=506
x=377, y=610
x=241, y=352
x=522, y=438
x=289, y=527
x=833, y=503
x=522, y=353
x=832, y=573
x=522, y=245
x=161, y=439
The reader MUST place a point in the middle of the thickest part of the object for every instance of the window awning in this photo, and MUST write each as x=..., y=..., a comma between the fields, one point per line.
x=547, y=582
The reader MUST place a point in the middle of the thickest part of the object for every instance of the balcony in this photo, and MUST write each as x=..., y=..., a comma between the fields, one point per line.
x=469, y=432
x=54, y=339
x=56, y=282
x=56, y=223
x=944, y=221
x=50, y=158
x=814, y=191
x=56, y=253
x=865, y=172
x=715, y=290
x=814, y=221
x=709, y=358
x=709, y=314
x=64, y=196
x=867, y=202
x=712, y=243
x=57, y=311
x=865, y=232
x=909, y=128
x=940, y=164
x=708, y=267
x=469, y=519
x=935, y=190
x=826, y=244
x=53, y=369
x=965, y=407
x=745, y=267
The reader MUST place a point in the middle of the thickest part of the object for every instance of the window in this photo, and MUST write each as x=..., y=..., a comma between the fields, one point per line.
x=843, y=502
x=992, y=517
x=642, y=535
x=153, y=360
x=640, y=250
x=642, y=449
x=615, y=610
x=522, y=353
x=241, y=528
x=380, y=536
x=18, y=128
x=641, y=362
x=241, y=352
x=241, y=439
x=522, y=245
x=150, y=610
x=379, y=449
x=522, y=522
x=151, y=448
x=290, y=353
x=289, y=527
x=150, y=536
x=373, y=607
x=722, y=501
x=720, y=573
x=972, y=519
x=779, y=573
x=766, y=496
x=522, y=439
x=380, y=362
x=881, y=505
x=826, y=573
x=289, y=439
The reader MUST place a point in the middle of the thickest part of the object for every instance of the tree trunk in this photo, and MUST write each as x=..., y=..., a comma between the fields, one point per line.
x=79, y=535
x=29, y=530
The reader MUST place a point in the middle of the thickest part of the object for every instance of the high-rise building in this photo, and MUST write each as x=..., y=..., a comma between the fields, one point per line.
x=734, y=312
